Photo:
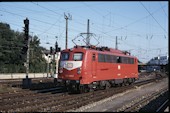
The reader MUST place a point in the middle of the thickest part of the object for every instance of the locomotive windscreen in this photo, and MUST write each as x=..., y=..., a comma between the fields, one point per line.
x=64, y=56
x=78, y=56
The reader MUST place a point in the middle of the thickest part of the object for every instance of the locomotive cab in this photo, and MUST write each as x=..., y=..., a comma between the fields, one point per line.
x=70, y=68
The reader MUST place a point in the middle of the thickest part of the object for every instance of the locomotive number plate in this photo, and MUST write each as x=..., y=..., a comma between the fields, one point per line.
x=69, y=65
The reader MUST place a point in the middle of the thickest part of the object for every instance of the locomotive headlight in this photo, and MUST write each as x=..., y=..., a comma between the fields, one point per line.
x=78, y=70
x=60, y=70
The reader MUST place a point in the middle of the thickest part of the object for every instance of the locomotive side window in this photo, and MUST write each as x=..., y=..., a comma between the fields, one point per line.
x=78, y=56
x=114, y=59
x=108, y=58
x=122, y=60
x=101, y=58
x=131, y=60
x=125, y=60
x=64, y=56
x=118, y=59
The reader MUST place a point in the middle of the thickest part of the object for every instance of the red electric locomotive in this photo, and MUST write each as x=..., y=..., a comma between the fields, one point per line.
x=85, y=68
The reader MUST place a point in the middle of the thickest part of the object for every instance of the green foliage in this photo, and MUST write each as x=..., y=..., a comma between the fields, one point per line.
x=11, y=58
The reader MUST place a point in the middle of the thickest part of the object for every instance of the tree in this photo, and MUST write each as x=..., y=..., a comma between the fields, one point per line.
x=37, y=62
x=11, y=57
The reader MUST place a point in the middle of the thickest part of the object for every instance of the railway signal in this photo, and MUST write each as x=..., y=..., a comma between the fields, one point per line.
x=56, y=59
x=26, y=28
x=57, y=49
x=51, y=50
x=26, y=38
x=27, y=81
x=24, y=49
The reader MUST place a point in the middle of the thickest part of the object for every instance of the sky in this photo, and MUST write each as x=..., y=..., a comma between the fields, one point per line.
x=141, y=27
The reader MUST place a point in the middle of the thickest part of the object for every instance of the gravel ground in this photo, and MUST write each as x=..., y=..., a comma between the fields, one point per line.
x=117, y=102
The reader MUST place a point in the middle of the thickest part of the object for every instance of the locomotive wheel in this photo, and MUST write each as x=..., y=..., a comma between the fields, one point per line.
x=73, y=88
x=86, y=88
x=102, y=85
x=119, y=84
x=131, y=81
x=83, y=89
x=125, y=83
x=90, y=88
x=108, y=85
x=122, y=84
x=70, y=90
x=55, y=81
x=113, y=83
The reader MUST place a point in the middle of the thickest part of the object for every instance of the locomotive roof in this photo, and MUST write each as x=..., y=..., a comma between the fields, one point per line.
x=100, y=50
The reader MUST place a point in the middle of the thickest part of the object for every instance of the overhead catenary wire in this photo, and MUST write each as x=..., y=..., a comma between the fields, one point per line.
x=127, y=24
x=60, y=35
x=163, y=9
x=29, y=17
x=79, y=6
x=92, y=8
x=46, y=22
x=79, y=22
x=109, y=35
x=153, y=17
x=30, y=28
x=137, y=20
x=52, y=24
x=26, y=10
x=47, y=8
x=46, y=30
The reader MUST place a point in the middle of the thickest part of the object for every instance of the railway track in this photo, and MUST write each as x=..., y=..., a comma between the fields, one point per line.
x=163, y=106
x=140, y=102
x=18, y=82
x=32, y=101
x=108, y=93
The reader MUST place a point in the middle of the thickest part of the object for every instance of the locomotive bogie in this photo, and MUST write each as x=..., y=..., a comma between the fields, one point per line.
x=75, y=86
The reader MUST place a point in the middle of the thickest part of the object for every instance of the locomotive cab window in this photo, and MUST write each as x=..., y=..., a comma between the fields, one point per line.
x=64, y=56
x=77, y=56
